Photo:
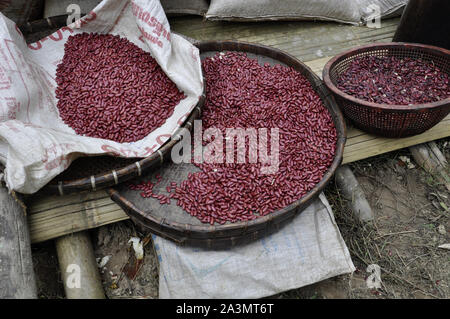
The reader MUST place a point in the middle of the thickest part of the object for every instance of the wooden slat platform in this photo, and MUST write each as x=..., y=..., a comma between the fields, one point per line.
x=306, y=40
x=313, y=43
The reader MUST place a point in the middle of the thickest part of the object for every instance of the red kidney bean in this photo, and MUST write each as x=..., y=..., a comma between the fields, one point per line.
x=393, y=80
x=109, y=88
x=240, y=93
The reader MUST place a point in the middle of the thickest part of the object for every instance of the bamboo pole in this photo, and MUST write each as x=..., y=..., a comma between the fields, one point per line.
x=432, y=160
x=78, y=267
x=353, y=192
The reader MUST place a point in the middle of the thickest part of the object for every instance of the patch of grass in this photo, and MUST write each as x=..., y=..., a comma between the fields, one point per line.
x=411, y=264
x=367, y=248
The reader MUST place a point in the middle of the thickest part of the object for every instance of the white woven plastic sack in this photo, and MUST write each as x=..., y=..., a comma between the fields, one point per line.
x=307, y=250
x=345, y=11
x=35, y=144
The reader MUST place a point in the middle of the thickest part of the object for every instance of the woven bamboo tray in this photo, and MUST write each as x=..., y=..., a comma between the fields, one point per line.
x=171, y=222
x=95, y=172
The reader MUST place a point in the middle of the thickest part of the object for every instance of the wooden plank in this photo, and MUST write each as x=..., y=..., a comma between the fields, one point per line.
x=317, y=65
x=17, y=280
x=54, y=216
x=36, y=206
x=66, y=224
x=367, y=145
x=282, y=30
x=306, y=40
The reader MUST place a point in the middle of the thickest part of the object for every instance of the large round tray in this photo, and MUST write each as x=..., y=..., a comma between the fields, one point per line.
x=90, y=173
x=171, y=222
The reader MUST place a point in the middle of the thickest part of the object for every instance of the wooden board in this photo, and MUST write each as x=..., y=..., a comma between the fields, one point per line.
x=307, y=40
x=361, y=145
x=17, y=279
x=54, y=216
x=51, y=217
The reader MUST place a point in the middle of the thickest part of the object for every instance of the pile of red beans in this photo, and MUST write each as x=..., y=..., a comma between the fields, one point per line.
x=241, y=93
x=393, y=80
x=110, y=88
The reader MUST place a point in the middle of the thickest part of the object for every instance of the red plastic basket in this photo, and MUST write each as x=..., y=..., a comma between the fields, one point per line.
x=383, y=119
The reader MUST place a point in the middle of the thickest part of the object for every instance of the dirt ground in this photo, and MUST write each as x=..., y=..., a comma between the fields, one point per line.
x=411, y=208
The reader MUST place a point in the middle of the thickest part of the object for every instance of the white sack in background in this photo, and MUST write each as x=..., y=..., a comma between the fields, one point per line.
x=307, y=250
x=346, y=11
x=35, y=144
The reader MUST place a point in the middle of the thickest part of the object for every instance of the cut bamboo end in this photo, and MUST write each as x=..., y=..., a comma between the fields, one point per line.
x=354, y=193
x=78, y=267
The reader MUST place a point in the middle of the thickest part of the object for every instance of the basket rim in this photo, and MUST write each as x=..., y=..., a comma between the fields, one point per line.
x=127, y=172
x=295, y=207
x=380, y=45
